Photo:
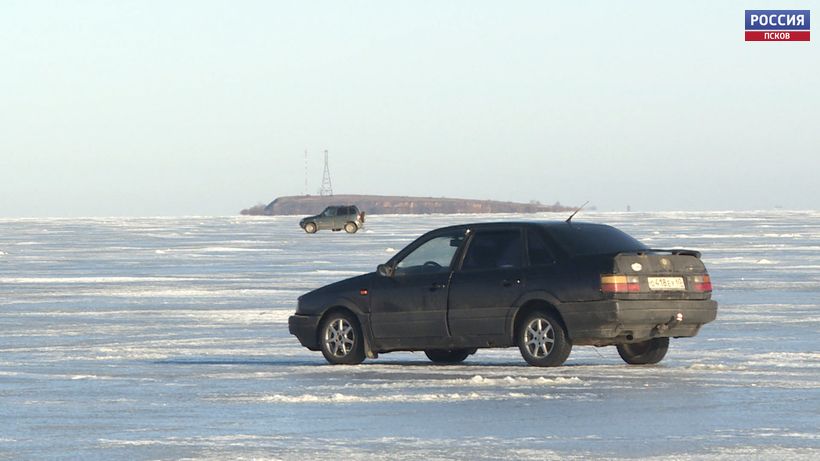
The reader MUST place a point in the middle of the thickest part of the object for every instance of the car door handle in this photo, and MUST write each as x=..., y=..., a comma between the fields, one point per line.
x=437, y=286
x=509, y=283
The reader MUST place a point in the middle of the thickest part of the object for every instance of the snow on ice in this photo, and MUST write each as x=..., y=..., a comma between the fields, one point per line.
x=163, y=338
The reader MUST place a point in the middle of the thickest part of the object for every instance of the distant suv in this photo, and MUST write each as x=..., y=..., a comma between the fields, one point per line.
x=541, y=286
x=335, y=218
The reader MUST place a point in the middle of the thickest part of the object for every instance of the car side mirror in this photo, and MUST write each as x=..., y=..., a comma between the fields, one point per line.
x=384, y=270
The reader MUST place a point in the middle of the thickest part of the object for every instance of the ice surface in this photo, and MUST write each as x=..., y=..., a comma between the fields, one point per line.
x=165, y=338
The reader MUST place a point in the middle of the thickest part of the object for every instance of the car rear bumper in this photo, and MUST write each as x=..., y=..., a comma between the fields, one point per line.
x=305, y=328
x=618, y=321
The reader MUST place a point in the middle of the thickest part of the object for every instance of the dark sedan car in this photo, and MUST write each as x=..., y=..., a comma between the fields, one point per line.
x=541, y=286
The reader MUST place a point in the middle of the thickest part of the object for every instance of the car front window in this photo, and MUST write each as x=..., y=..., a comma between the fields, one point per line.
x=434, y=255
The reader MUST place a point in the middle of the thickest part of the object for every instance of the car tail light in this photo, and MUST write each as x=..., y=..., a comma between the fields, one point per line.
x=701, y=283
x=620, y=283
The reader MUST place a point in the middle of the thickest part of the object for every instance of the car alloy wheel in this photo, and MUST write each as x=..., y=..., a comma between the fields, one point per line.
x=310, y=228
x=542, y=340
x=539, y=336
x=351, y=228
x=448, y=356
x=341, y=339
x=645, y=352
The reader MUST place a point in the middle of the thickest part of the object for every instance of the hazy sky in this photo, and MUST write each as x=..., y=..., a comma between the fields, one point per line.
x=206, y=107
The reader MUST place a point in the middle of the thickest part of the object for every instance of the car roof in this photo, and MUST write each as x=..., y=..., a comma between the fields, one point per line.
x=544, y=224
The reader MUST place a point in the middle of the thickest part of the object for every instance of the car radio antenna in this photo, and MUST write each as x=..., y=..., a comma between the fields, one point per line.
x=576, y=211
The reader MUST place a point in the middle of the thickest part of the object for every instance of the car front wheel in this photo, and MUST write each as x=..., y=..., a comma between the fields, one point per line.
x=445, y=356
x=341, y=339
x=644, y=352
x=543, y=341
x=310, y=228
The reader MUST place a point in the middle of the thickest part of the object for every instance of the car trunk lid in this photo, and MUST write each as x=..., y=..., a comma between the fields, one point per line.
x=657, y=274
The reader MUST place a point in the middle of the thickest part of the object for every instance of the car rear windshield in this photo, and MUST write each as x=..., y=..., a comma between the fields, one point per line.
x=591, y=239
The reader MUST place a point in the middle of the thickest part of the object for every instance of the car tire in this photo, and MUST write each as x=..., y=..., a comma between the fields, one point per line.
x=448, y=356
x=341, y=340
x=310, y=228
x=351, y=228
x=542, y=340
x=645, y=352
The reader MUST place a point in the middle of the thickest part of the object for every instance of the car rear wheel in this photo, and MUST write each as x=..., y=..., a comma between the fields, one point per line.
x=543, y=341
x=341, y=339
x=445, y=356
x=310, y=228
x=644, y=352
x=351, y=228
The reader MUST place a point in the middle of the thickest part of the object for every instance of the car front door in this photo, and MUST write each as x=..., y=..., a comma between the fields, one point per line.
x=411, y=304
x=486, y=286
x=325, y=220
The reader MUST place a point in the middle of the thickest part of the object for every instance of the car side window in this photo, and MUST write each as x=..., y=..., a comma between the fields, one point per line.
x=537, y=249
x=329, y=211
x=494, y=249
x=434, y=255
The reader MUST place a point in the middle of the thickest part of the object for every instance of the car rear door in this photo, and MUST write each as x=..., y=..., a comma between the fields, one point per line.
x=486, y=285
x=342, y=217
x=338, y=214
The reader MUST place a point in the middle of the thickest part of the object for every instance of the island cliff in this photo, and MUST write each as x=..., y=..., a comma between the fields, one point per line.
x=382, y=204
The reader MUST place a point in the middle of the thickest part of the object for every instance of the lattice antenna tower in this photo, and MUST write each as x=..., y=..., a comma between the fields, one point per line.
x=327, y=187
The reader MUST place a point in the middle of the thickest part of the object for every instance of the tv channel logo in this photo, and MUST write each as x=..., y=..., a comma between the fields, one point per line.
x=778, y=25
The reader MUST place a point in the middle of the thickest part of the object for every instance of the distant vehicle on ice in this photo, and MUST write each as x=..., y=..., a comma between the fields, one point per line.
x=335, y=218
x=540, y=286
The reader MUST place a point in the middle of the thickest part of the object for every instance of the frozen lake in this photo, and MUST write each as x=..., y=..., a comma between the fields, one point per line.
x=165, y=338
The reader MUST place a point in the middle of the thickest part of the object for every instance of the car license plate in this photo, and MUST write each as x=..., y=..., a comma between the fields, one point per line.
x=666, y=283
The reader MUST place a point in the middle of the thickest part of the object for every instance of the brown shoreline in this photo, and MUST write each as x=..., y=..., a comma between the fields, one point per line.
x=383, y=204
